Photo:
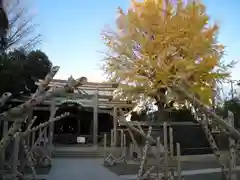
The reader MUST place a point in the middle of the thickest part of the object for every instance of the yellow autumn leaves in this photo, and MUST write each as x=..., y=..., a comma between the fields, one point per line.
x=158, y=43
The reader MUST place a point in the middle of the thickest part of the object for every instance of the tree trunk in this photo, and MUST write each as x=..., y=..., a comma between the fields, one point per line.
x=160, y=98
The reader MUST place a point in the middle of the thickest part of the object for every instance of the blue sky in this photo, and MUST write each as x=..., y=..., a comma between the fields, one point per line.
x=71, y=32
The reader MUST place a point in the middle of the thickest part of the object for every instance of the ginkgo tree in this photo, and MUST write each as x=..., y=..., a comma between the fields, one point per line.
x=159, y=43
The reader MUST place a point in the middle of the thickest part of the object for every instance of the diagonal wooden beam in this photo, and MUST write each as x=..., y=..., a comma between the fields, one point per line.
x=217, y=119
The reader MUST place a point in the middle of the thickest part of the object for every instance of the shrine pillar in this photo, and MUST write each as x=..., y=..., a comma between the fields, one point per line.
x=95, y=118
x=115, y=123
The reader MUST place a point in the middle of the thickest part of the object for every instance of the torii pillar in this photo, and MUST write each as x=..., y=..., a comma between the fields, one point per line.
x=95, y=119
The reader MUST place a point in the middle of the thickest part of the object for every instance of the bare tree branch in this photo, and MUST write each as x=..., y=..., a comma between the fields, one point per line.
x=21, y=32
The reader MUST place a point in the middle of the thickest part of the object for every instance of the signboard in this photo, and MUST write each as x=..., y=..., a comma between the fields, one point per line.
x=81, y=140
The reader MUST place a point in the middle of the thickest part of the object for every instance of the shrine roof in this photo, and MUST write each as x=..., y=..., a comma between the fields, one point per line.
x=94, y=85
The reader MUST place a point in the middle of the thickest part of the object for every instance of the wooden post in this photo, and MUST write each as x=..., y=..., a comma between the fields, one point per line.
x=45, y=137
x=158, y=145
x=39, y=135
x=171, y=142
x=105, y=145
x=165, y=139
x=158, y=153
x=53, y=110
x=21, y=153
x=95, y=119
x=15, y=156
x=29, y=160
x=122, y=139
x=23, y=145
x=115, y=126
x=5, y=131
x=232, y=151
x=125, y=144
x=179, y=175
x=29, y=118
x=111, y=138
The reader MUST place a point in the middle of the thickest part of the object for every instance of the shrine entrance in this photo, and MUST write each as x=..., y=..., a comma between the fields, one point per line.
x=77, y=128
x=69, y=129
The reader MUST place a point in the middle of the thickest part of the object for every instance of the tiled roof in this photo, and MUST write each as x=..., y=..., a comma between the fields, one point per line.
x=89, y=84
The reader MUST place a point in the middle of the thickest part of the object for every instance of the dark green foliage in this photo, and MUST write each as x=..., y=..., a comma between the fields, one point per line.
x=19, y=70
x=233, y=105
x=40, y=60
x=4, y=25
